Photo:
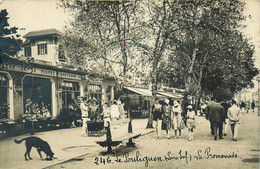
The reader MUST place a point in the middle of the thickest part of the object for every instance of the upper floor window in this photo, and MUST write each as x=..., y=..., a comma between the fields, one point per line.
x=42, y=49
x=27, y=51
x=61, y=54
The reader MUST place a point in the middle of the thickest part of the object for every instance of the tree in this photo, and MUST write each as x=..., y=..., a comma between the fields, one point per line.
x=210, y=52
x=102, y=34
x=9, y=44
x=195, y=45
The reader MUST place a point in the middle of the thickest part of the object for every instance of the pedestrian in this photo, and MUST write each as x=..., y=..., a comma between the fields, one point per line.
x=115, y=111
x=207, y=115
x=253, y=105
x=176, y=117
x=216, y=116
x=157, y=117
x=185, y=104
x=94, y=109
x=167, y=111
x=226, y=106
x=202, y=108
x=243, y=107
x=190, y=121
x=106, y=114
x=234, y=115
x=121, y=109
x=84, y=115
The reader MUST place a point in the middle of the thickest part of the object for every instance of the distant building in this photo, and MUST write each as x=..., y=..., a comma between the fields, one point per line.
x=246, y=95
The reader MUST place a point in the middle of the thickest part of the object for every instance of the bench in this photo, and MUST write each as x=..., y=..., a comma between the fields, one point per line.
x=127, y=136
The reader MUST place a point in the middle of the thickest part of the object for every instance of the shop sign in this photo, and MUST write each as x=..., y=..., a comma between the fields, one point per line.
x=69, y=75
x=39, y=71
x=20, y=68
x=95, y=79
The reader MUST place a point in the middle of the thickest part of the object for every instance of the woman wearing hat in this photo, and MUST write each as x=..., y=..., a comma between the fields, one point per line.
x=177, y=119
x=167, y=111
x=190, y=121
x=157, y=117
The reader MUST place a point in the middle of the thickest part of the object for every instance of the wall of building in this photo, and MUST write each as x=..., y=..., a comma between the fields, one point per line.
x=18, y=109
x=52, y=54
x=50, y=58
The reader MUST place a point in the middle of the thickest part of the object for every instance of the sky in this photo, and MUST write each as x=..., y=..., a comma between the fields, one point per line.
x=35, y=14
x=44, y=14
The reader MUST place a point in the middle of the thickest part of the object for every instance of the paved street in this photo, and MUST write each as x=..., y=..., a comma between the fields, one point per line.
x=246, y=148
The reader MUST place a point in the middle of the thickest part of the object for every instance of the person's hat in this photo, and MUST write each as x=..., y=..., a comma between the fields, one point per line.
x=175, y=103
x=189, y=107
x=167, y=101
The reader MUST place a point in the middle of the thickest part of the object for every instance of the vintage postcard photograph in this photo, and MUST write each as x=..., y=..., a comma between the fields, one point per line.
x=129, y=84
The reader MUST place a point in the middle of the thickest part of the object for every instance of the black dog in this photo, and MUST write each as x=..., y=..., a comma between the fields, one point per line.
x=39, y=144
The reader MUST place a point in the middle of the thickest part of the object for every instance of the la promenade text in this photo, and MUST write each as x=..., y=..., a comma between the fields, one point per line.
x=181, y=155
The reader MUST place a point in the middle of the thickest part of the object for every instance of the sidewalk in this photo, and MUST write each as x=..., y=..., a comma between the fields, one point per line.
x=65, y=143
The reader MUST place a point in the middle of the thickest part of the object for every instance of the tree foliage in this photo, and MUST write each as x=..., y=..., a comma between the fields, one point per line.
x=9, y=44
x=195, y=45
x=103, y=34
x=209, y=50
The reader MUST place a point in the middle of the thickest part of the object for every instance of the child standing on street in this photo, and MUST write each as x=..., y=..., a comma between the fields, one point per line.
x=190, y=121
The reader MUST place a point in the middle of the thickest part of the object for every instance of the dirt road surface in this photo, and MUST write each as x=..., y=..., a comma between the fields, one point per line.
x=202, y=152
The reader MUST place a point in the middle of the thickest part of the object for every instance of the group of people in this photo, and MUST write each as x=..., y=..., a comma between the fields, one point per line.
x=222, y=113
x=92, y=110
x=245, y=107
x=169, y=117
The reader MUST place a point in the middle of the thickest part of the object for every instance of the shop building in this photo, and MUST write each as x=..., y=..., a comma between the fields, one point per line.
x=36, y=78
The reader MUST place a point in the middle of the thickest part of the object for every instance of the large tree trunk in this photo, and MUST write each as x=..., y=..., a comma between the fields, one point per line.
x=150, y=119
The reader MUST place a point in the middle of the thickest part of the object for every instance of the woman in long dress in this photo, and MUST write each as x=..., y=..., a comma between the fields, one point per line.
x=167, y=111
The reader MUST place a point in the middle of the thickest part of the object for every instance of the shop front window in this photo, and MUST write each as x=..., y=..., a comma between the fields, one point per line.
x=37, y=97
x=3, y=96
x=70, y=92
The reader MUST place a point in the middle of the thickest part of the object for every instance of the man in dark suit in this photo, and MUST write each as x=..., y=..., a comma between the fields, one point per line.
x=217, y=117
x=208, y=114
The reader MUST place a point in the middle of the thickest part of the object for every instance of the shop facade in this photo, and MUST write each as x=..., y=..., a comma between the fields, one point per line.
x=43, y=88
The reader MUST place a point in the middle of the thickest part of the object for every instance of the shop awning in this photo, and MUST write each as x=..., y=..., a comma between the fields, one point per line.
x=140, y=91
x=171, y=95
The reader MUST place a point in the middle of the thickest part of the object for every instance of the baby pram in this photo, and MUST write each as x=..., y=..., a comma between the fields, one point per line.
x=95, y=128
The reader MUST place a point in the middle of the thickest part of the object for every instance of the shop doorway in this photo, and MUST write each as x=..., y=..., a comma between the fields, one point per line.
x=70, y=93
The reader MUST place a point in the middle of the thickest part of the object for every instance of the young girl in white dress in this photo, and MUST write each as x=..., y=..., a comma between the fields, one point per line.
x=190, y=121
